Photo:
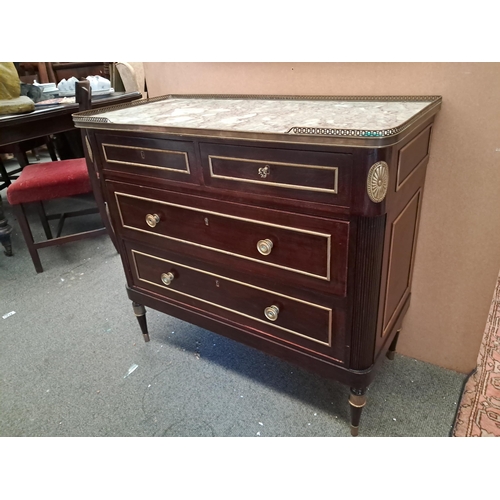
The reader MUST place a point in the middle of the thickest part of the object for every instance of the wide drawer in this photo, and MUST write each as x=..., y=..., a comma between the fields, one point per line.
x=317, y=253
x=294, y=320
x=308, y=175
x=159, y=158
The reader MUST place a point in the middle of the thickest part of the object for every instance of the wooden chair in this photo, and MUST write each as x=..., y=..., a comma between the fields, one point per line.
x=41, y=182
x=19, y=150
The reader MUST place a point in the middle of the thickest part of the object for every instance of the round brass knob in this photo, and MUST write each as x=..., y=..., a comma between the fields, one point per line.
x=152, y=220
x=265, y=246
x=271, y=313
x=167, y=278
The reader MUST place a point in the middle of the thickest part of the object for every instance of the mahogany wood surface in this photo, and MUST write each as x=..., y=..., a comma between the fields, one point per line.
x=341, y=265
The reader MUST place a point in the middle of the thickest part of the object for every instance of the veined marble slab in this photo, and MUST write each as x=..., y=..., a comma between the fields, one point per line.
x=268, y=115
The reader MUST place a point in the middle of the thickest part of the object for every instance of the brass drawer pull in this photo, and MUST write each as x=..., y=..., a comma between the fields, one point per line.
x=271, y=313
x=167, y=278
x=152, y=220
x=265, y=246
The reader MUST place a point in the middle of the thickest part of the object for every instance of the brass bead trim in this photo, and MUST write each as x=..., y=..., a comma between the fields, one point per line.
x=326, y=309
x=388, y=325
x=327, y=237
x=334, y=170
x=89, y=116
x=146, y=165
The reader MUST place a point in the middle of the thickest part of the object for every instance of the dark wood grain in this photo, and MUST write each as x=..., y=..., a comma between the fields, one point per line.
x=152, y=157
x=339, y=265
x=304, y=246
x=365, y=297
x=309, y=175
x=296, y=321
x=412, y=154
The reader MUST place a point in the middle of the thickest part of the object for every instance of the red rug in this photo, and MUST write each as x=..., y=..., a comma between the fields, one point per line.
x=479, y=411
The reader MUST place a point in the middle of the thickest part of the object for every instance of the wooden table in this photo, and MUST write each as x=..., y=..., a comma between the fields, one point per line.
x=45, y=121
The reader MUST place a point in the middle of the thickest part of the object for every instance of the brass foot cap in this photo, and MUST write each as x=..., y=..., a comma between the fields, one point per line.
x=146, y=337
x=390, y=355
x=354, y=430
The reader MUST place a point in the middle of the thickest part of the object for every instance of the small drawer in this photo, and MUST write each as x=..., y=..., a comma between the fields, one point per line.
x=308, y=175
x=276, y=314
x=290, y=247
x=157, y=158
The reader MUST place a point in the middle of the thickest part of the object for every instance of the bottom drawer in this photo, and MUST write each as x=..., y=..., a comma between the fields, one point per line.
x=282, y=316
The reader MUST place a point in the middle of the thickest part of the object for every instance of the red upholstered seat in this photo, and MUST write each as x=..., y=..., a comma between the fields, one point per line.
x=47, y=181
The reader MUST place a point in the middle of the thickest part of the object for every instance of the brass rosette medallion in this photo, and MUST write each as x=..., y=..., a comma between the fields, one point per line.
x=378, y=181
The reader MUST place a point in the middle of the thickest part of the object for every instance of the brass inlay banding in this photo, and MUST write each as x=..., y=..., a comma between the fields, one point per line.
x=328, y=310
x=385, y=328
x=159, y=167
x=420, y=163
x=267, y=164
x=302, y=231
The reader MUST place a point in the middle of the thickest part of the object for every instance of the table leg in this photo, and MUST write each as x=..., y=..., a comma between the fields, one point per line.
x=140, y=313
x=392, y=347
x=5, y=231
x=357, y=401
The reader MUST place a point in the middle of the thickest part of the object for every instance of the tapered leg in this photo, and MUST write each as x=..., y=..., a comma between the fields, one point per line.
x=140, y=313
x=51, y=149
x=4, y=176
x=22, y=158
x=43, y=219
x=20, y=213
x=392, y=347
x=357, y=401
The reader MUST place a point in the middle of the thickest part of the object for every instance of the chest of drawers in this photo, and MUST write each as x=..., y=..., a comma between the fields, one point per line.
x=286, y=223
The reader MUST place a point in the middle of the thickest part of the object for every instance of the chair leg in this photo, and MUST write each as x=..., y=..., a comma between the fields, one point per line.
x=51, y=149
x=22, y=159
x=43, y=218
x=4, y=176
x=5, y=230
x=20, y=213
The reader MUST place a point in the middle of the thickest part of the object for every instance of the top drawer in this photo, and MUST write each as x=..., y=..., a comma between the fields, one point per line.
x=283, y=173
x=157, y=158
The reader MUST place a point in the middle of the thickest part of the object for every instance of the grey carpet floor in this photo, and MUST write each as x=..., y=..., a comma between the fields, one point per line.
x=73, y=363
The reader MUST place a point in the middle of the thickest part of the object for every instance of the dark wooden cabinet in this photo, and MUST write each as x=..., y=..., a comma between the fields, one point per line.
x=286, y=223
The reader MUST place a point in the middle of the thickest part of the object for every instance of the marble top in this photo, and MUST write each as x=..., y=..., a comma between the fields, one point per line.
x=282, y=116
